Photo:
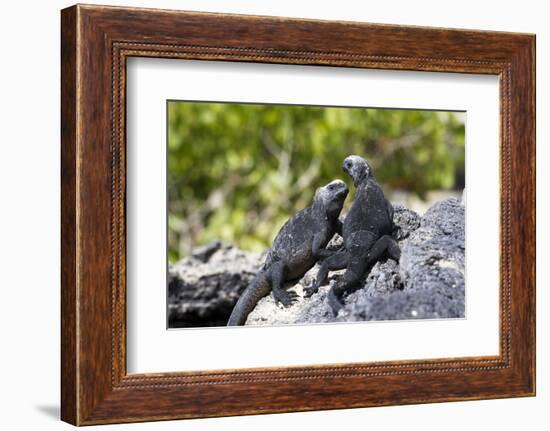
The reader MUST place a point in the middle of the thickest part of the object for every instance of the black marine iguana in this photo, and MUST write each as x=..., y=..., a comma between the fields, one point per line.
x=367, y=231
x=297, y=247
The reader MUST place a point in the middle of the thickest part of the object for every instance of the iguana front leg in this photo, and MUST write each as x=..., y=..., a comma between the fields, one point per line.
x=332, y=260
x=281, y=295
x=338, y=260
x=358, y=248
x=319, y=240
x=350, y=283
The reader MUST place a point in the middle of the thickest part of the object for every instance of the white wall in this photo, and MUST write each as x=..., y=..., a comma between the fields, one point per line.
x=29, y=215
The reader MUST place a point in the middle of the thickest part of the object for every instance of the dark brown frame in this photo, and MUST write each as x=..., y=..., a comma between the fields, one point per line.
x=95, y=43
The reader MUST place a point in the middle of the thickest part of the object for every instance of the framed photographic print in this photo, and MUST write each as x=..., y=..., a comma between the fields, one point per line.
x=265, y=214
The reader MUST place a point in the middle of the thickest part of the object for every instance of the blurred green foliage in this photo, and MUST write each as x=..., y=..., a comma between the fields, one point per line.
x=236, y=172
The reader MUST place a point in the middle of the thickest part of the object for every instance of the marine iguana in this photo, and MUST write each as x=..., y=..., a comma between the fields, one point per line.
x=297, y=247
x=367, y=231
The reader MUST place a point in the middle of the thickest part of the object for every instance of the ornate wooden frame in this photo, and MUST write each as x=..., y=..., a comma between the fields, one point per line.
x=95, y=43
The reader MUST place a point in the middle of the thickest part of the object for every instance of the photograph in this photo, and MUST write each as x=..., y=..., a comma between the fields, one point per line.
x=298, y=215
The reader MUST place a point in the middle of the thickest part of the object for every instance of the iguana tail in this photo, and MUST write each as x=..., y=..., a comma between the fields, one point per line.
x=255, y=291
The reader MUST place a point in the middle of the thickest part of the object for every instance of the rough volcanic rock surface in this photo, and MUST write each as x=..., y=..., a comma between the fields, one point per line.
x=433, y=263
x=427, y=282
x=204, y=287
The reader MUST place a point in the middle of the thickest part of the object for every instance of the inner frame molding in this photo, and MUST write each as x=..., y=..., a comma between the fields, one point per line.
x=96, y=42
x=152, y=349
x=121, y=52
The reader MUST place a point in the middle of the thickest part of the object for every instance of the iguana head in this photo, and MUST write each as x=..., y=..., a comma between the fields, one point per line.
x=332, y=196
x=357, y=168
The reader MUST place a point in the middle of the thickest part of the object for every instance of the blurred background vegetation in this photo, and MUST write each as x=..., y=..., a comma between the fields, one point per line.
x=236, y=172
